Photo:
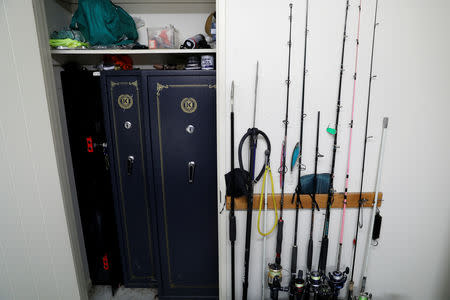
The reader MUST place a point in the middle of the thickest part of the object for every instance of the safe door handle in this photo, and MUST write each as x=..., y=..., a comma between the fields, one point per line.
x=191, y=171
x=130, y=162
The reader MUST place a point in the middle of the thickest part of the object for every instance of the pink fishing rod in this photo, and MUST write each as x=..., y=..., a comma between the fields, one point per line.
x=341, y=236
x=338, y=278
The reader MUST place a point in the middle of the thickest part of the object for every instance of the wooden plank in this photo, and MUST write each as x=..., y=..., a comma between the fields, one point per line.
x=352, y=201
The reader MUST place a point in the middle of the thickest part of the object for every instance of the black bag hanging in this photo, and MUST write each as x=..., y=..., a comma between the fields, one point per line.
x=323, y=181
x=237, y=182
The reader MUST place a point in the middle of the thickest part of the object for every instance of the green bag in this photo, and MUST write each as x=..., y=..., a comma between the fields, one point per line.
x=103, y=23
x=68, y=43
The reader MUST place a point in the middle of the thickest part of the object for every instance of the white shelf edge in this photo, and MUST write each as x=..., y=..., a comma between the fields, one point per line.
x=152, y=6
x=131, y=51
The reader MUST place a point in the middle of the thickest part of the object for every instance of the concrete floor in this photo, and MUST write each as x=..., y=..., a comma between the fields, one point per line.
x=104, y=292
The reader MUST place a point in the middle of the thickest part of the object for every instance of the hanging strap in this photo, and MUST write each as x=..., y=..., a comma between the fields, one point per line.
x=267, y=170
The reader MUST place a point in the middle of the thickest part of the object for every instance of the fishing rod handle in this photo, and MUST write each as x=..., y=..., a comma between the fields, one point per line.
x=323, y=255
x=244, y=292
x=232, y=219
x=233, y=272
x=274, y=295
x=310, y=254
x=279, y=241
x=253, y=133
x=350, y=290
x=248, y=227
x=294, y=261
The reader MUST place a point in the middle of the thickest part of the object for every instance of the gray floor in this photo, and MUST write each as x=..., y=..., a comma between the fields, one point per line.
x=103, y=292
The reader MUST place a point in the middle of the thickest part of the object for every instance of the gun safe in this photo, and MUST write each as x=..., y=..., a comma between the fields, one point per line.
x=161, y=136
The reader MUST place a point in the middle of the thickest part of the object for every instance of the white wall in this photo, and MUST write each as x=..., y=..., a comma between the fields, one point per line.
x=56, y=17
x=37, y=261
x=411, y=61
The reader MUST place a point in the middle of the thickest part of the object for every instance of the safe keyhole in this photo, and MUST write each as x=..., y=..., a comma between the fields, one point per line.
x=190, y=129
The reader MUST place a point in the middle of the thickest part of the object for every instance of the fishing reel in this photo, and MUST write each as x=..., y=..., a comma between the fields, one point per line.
x=319, y=286
x=314, y=282
x=297, y=287
x=365, y=296
x=274, y=278
x=337, y=280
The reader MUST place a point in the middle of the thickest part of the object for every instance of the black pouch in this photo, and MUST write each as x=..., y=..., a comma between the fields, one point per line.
x=323, y=183
x=237, y=182
x=377, y=226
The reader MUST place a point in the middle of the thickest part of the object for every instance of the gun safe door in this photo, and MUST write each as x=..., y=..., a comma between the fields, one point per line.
x=182, y=109
x=132, y=181
x=84, y=116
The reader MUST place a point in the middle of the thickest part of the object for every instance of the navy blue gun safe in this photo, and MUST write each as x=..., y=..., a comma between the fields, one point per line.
x=161, y=130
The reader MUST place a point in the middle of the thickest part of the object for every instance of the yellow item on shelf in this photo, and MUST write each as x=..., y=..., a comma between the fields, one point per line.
x=69, y=43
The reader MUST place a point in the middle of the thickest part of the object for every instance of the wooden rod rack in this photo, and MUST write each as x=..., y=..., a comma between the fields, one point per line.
x=352, y=201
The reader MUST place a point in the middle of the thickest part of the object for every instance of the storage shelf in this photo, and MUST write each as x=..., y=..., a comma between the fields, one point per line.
x=139, y=56
x=153, y=6
x=132, y=51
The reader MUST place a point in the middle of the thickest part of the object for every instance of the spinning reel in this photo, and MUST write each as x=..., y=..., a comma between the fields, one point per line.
x=274, y=278
x=337, y=280
x=314, y=282
x=318, y=286
x=297, y=287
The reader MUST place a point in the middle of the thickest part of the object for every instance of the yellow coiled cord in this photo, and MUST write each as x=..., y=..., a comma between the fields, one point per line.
x=267, y=170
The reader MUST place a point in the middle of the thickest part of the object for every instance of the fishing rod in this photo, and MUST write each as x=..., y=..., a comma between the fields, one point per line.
x=297, y=282
x=252, y=134
x=366, y=137
x=314, y=277
x=324, y=244
x=337, y=278
x=232, y=217
x=347, y=175
x=274, y=274
x=363, y=293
